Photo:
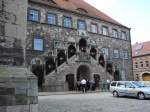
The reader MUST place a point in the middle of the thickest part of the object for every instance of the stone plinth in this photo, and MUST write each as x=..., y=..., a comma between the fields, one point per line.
x=18, y=90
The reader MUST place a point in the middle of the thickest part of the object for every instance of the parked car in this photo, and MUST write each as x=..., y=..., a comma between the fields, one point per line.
x=130, y=88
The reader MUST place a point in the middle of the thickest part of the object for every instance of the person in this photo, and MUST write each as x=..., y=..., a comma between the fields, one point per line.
x=108, y=84
x=83, y=84
x=87, y=85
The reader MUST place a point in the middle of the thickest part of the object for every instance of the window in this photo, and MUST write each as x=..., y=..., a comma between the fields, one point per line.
x=141, y=63
x=116, y=54
x=123, y=35
x=94, y=28
x=81, y=25
x=147, y=63
x=129, y=85
x=105, y=51
x=105, y=30
x=125, y=54
x=2, y=30
x=38, y=44
x=121, y=84
x=113, y=83
x=67, y=22
x=115, y=33
x=136, y=65
x=51, y=18
x=33, y=15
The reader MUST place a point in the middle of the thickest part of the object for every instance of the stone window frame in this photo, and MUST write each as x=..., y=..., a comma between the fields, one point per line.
x=80, y=20
x=37, y=37
x=115, y=33
x=56, y=18
x=107, y=30
x=147, y=63
x=114, y=54
x=103, y=51
x=2, y=29
x=96, y=26
x=141, y=64
x=28, y=16
x=136, y=64
x=124, y=35
x=67, y=17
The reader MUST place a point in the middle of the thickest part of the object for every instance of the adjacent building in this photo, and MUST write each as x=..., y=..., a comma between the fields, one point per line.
x=67, y=40
x=141, y=61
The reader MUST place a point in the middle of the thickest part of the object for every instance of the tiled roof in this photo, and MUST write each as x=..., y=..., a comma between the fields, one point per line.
x=85, y=8
x=140, y=49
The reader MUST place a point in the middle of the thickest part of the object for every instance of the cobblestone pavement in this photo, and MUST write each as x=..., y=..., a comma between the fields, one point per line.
x=91, y=102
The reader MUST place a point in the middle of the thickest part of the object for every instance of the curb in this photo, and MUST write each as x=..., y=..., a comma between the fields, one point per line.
x=66, y=93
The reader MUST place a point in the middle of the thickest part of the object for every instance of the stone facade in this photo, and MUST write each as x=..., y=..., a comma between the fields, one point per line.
x=57, y=75
x=18, y=90
x=141, y=67
x=13, y=31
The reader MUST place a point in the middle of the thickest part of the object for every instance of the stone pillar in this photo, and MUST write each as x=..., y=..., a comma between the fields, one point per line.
x=18, y=90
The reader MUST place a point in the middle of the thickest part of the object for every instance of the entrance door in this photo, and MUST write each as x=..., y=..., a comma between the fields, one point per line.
x=97, y=80
x=83, y=72
x=39, y=72
x=116, y=75
x=70, y=81
x=146, y=77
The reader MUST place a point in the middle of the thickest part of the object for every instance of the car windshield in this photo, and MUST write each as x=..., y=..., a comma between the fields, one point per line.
x=139, y=84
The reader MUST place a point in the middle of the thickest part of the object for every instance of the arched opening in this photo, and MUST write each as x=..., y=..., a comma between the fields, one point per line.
x=71, y=51
x=97, y=80
x=109, y=68
x=101, y=60
x=50, y=65
x=83, y=72
x=37, y=69
x=61, y=58
x=70, y=81
x=116, y=75
x=146, y=77
x=93, y=52
x=82, y=45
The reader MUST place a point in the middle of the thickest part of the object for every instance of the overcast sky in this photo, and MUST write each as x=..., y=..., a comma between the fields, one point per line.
x=134, y=14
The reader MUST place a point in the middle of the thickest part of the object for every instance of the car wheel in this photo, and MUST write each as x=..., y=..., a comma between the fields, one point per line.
x=115, y=93
x=141, y=96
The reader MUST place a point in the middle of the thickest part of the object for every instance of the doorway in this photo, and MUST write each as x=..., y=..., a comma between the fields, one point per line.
x=71, y=51
x=70, y=81
x=116, y=75
x=82, y=45
x=83, y=72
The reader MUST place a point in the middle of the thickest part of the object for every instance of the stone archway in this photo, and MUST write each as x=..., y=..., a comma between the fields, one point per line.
x=37, y=69
x=70, y=81
x=61, y=58
x=49, y=65
x=109, y=68
x=83, y=72
x=146, y=76
x=93, y=52
x=71, y=51
x=82, y=45
x=116, y=75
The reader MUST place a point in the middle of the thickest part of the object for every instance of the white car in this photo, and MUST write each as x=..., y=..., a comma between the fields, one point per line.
x=130, y=88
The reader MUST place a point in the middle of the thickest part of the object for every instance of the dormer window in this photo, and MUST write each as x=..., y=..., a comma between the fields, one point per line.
x=82, y=10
